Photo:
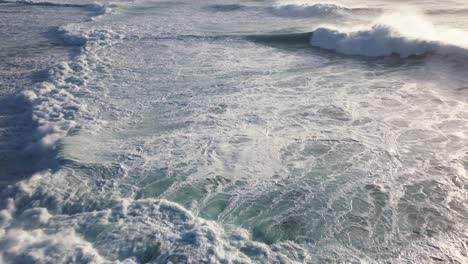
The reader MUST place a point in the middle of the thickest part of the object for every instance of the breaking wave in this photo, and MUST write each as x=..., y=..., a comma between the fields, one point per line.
x=392, y=34
x=313, y=9
x=375, y=42
x=130, y=231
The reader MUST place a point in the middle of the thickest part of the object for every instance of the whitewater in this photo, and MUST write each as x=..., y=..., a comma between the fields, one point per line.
x=242, y=131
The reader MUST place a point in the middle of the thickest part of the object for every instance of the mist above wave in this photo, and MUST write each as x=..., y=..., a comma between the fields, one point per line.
x=403, y=33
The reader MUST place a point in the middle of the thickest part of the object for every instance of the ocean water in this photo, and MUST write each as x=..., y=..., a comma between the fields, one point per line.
x=233, y=131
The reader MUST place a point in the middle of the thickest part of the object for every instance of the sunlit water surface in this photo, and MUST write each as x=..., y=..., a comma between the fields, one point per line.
x=194, y=132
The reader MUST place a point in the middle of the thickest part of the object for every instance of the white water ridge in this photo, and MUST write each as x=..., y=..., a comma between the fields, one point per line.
x=315, y=9
x=402, y=34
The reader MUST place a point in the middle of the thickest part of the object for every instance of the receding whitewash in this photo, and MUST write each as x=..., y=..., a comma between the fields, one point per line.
x=38, y=246
x=133, y=231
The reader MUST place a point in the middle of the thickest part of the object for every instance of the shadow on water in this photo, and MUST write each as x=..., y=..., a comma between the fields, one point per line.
x=21, y=152
x=24, y=61
x=21, y=155
x=226, y=7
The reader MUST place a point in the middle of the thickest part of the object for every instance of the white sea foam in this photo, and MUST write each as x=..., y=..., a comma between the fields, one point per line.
x=404, y=34
x=307, y=10
x=311, y=8
x=380, y=40
x=55, y=105
x=37, y=246
x=132, y=231
x=276, y=129
x=119, y=230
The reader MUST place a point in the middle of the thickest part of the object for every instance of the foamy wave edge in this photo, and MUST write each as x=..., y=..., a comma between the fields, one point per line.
x=128, y=231
x=139, y=231
x=378, y=41
x=313, y=10
x=55, y=106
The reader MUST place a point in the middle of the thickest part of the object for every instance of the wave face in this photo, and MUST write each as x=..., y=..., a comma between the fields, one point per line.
x=403, y=35
x=378, y=41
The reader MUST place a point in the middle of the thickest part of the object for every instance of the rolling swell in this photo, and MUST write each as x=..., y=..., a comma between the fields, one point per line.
x=317, y=10
x=379, y=41
x=286, y=38
x=91, y=6
x=226, y=7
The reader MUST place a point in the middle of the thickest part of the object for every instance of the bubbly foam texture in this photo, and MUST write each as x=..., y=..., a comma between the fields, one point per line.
x=318, y=161
x=404, y=34
x=307, y=10
x=249, y=157
x=54, y=104
x=142, y=231
x=311, y=8
x=56, y=107
x=161, y=231
x=380, y=40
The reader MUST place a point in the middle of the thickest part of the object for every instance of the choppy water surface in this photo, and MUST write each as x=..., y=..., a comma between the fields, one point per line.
x=235, y=132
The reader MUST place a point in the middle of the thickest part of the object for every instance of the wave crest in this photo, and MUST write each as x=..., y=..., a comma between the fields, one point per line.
x=380, y=40
x=402, y=34
x=291, y=10
x=316, y=9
